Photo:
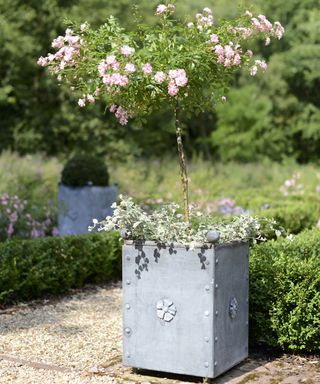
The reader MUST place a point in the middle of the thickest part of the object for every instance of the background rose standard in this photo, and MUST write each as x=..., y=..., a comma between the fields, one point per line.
x=185, y=65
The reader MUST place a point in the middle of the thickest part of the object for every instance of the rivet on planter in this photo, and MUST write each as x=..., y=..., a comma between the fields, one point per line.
x=207, y=288
x=127, y=331
x=247, y=300
x=217, y=261
x=206, y=339
x=206, y=364
x=207, y=313
x=247, y=323
x=215, y=363
x=207, y=262
x=217, y=313
x=216, y=339
x=217, y=286
x=128, y=258
x=128, y=282
x=128, y=306
x=128, y=355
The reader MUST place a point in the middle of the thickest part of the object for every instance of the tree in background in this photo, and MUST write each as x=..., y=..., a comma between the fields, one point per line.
x=279, y=116
x=36, y=114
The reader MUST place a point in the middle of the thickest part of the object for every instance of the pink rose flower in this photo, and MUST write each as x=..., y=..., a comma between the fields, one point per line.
x=130, y=68
x=160, y=77
x=81, y=103
x=126, y=50
x=237, y=59
x=147, y=69
x=69, y=32
x=161, y=8
x=106, y=79
x=90, y=98
x=279, y=30
x=110, y=60
x=172, y=88
x=262, y=64
x=42, y=61
x=214, y=39
x=220, y=59
x=58, y=42
x=253, y=70
x=228, y=52
x=227, y=62
x=122, y=115
x=124, y=81
x=219, y=49
x=173, y=73
x=250, y=53
x=181, y=80
x=102, y=67
x=115, y=66
x=113, y=108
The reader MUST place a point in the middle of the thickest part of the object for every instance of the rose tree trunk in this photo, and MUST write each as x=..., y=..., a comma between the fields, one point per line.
x=182, y=163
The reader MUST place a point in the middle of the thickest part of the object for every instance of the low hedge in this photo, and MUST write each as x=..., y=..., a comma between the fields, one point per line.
x=294, y=216
x=284, y=279
x=30, y=269
x=285, y=292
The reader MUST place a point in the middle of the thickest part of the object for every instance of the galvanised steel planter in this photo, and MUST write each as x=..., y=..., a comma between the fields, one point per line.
x=185, y=311
x=79, y=205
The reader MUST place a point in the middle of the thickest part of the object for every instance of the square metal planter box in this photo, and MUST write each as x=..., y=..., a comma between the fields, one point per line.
x=185, y=311
x=79, y=205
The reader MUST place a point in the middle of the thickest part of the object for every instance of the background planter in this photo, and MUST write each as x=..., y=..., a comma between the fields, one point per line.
x=79, y=205
x=185, y=311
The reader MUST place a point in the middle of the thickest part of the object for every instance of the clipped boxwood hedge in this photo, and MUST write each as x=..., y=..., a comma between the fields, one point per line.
x=284, y=279
x=82, y=170
x=30, y=269
x=285, y=292
x=295, y=216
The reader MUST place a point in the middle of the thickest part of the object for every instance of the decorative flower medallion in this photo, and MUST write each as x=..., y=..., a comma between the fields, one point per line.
x=233, y=307
x=166, y=310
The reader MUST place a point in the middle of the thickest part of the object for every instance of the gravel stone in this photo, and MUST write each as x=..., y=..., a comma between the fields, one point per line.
x=77, y=339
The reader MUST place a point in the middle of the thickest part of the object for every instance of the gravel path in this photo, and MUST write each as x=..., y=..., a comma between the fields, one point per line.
x=77, y=339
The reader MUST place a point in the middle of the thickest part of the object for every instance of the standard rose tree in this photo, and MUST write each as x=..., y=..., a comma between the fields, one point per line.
x=185, y=296
x=187, y=66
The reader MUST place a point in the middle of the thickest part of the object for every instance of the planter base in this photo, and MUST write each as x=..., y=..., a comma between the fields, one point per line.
x=185, y=311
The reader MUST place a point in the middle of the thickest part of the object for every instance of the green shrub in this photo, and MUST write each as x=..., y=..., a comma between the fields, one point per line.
x=285, y=292
x=83, y=170
x=294, y=216
x=30, y=269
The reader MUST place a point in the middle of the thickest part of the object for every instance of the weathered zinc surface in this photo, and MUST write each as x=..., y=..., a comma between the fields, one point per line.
x=185, y=311
x=78, y=206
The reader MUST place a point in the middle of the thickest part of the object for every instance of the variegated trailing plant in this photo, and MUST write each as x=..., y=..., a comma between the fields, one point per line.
x=167, y=225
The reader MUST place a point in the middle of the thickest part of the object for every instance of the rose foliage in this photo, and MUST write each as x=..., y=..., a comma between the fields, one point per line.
x=135, y=73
